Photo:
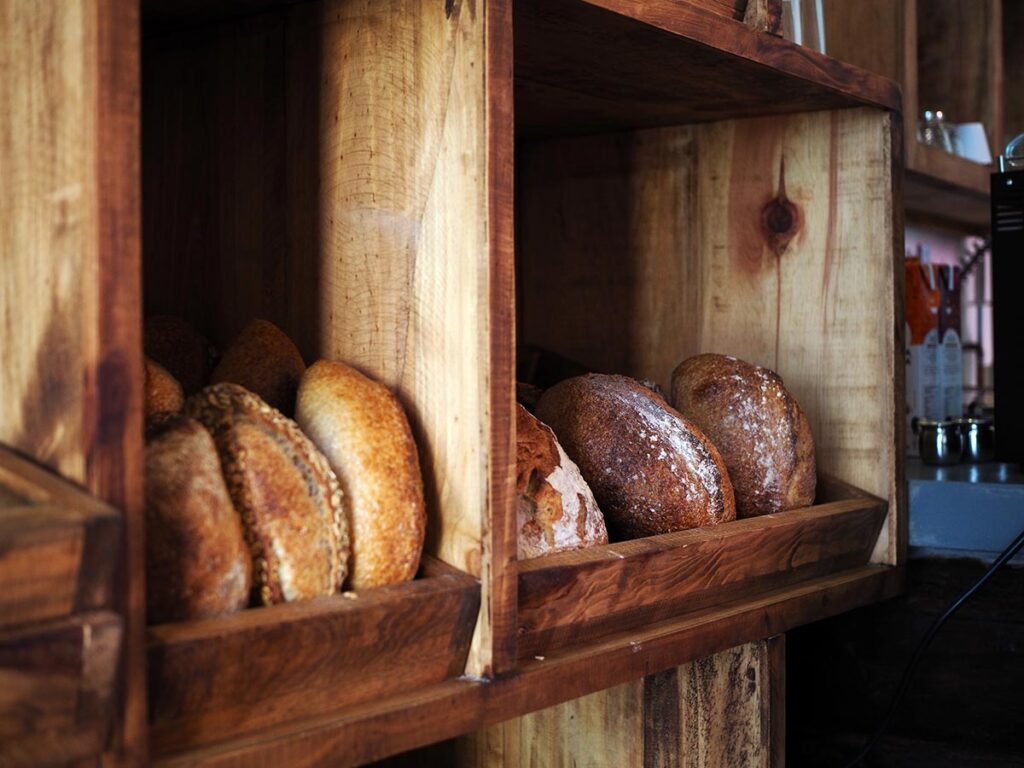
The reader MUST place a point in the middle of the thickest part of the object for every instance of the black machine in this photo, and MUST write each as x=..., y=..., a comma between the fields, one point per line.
x=1008, y=312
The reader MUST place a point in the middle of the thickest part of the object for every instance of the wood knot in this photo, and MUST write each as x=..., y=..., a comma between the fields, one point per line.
x=449, y=8
x=780, y=221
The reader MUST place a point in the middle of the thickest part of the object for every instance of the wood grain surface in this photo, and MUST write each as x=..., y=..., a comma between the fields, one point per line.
x=58, y=545
x=219, y=678
x=640, y=249
x=608, y=65
x=57, y=688
x=376, y=730
x=574, y=596
x=355, y=212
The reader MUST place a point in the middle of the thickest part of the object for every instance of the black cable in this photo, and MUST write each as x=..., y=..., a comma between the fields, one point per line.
x=1007, y=553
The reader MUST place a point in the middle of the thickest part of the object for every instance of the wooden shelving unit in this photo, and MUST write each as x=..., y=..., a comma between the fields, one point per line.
x=417, y=188
x=948, y=55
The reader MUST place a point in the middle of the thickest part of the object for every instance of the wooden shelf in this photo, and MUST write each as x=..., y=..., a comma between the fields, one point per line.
x=946, y=190
x=587, y=66
x=378, y=730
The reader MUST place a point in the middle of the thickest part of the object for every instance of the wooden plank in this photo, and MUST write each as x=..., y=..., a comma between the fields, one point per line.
x=662, y=231
x=590, y=66
x=573, y=596
x=55, y=545
x=227, y=677
x=374, y=731
x=57, y=688
x=1013, y=62
x=353, y=214
x=775, y=706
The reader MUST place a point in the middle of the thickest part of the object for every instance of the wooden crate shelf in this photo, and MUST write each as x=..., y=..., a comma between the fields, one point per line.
x=570, y=597
x=417, y=188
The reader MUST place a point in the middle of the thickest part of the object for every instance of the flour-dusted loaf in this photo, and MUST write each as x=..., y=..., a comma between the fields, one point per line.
x=555, y=508
x=181, y=349
x=162, y=392
x=264, y=361
x=284, y=490
x=757, y=426
x=362, y=430
x=197, y=562
x=650, y=469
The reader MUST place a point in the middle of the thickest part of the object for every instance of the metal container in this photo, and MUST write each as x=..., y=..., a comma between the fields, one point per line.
x=939, y=442
x=979, y=439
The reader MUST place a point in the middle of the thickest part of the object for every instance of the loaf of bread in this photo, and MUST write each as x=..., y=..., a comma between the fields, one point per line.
x=757, y=426
x=650, y=469
x=180, y=349
x=264, y=361
x=287, y=495
x=363, y=431
x=197, y=562
x=556, y=510
x=163, y=393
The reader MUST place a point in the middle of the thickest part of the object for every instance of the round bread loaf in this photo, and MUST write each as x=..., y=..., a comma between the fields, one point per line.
x=362, y=430
x=181, y=349
x=556, y=510
x=284, y=490
x=197, y=562
x=264, y=361
x=163, y=393
x=758, y=427
x=650, y=469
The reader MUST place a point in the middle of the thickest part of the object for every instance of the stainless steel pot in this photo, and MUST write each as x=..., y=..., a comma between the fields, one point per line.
x=940, y=442
x=979, y=439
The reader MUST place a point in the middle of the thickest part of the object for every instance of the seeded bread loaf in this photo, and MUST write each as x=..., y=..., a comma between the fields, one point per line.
x=179, y=348
x=556, y=510
x=197, y=562
x=760, y=430
x=651, y=470
x=264, y=361
x=362, y=430
x=284, y=490
x=163, y=393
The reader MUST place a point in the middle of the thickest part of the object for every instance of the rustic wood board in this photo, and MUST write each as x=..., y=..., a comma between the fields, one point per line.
x=574, y=596
x=376, y=730
x=57, y=688
x=58, y=545
x=220, y=678
x=639, y=249
x=589, y=66
x=354, y=213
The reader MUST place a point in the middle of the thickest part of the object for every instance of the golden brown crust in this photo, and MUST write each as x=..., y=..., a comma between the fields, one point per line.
x=556, y=510
x=283, y=488
x=650, y=469
x=197, y=562
x=163, y=393
x=264, y=361
x=180, y=349
x=361, y=428
x=760, y=430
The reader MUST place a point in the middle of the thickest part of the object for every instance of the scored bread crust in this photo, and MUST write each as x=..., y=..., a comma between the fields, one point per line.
x=362, y=430
x=759, y=428
x=285, y=491
x=651, y=470
x=197, y=562
x=556, y=510
x=263, y=360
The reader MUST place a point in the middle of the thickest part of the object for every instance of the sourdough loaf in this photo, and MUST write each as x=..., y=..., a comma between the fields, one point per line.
x=284, y=490
x=757, y=426
x=650, y=469
x=556, y=510
x=197, y=562
x=362, y=430
x=180, y=349
x=264, y=361
x=163, y=393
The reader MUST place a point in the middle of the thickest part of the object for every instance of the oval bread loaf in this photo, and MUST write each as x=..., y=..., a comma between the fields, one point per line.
x=284, y=490
x=556, y=510
x=760, y=430
x=163, y=393
x=362, y=430
x=179, y=348
x=197, y=562
x=650, y=469
x=264, y=361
